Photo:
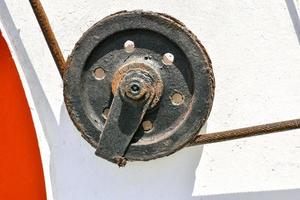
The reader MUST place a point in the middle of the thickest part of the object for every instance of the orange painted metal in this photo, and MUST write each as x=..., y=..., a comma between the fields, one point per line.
x=21, y=174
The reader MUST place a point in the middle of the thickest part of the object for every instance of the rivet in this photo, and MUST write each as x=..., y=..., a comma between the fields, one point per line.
x=177, y=99
x=99, y=73
x=129, y=46
x=168, y=59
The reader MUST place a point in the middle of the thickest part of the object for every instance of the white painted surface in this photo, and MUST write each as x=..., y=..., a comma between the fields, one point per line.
x=256, y=58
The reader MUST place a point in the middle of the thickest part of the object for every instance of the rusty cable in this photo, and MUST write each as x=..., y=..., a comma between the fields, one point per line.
x=246, y=132
x=200, y=139
x=48, y=34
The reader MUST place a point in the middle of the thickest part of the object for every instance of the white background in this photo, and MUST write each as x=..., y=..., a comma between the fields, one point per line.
x=255, y=49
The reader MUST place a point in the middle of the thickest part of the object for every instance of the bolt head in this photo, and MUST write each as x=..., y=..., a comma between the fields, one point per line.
x=168, y=59
x=99, y=73
x=129, y=46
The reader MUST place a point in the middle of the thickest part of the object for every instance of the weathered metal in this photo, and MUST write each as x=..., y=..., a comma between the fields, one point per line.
x=48, y=34
x=76, y=96
x=122, y=135
x=141, y=66
x=135, y=93
x=246, y=132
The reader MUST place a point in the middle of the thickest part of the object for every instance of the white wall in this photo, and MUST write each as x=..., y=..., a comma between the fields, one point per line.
x=255, y=49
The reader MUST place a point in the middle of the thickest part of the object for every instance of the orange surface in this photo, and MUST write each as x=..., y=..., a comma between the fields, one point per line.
x=21, y=175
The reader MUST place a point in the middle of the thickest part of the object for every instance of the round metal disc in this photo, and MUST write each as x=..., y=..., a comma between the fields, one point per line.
x=188, y=81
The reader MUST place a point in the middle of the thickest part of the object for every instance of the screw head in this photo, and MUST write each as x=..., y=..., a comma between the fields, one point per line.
x=168, y=59
x=129, y=46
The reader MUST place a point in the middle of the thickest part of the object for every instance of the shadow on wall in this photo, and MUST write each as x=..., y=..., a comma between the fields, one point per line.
x=76, y=173
x=95, y=178
x=294, y=14
x=293, y=194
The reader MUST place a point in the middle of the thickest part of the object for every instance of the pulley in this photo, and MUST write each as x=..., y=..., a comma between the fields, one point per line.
x=138, y=86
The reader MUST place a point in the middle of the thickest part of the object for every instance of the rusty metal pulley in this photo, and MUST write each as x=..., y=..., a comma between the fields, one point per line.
x=138, y=85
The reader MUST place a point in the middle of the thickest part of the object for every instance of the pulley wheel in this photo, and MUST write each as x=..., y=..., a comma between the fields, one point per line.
x=138, y=86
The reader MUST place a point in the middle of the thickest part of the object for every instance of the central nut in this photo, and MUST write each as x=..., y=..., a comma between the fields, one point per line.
x=134, y=89
x=136, y=85
x=137, y=79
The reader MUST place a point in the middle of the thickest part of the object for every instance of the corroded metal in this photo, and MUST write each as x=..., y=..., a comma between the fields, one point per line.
x=134, y=95
x=139, y=65
x=93, y=136
x=48, y=34
x=246, y=132
x=121, y=136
